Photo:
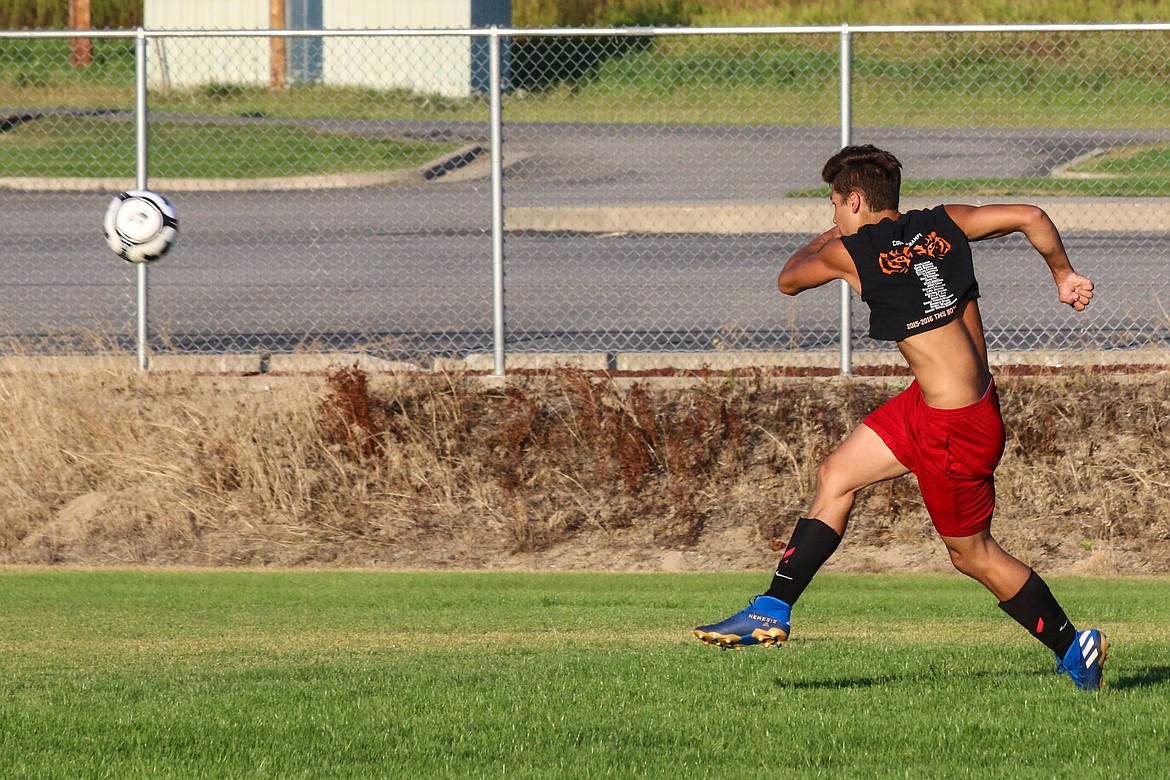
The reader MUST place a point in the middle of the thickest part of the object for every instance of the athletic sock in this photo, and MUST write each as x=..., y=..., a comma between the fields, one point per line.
x=1036, y=609
x=811, y=545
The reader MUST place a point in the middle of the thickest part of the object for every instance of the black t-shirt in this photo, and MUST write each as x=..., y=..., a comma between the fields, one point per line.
x=914, y=272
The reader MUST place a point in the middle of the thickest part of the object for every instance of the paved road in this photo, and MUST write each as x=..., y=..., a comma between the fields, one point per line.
x=412, y=264
x=430, y=288
x=592, y=164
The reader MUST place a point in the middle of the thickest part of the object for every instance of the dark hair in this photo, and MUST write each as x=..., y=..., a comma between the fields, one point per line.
x=868, y=170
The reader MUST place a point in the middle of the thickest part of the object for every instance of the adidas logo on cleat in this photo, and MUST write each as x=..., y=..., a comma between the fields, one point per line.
x=1085, y=660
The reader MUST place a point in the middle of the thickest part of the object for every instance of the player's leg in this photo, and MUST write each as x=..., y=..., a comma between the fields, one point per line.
x=861, y=460
x=1024, y=596
x=958, y=487
x=981, y=558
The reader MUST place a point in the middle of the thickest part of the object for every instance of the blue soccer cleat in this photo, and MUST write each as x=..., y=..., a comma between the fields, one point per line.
x=1085, y=660
x=765, y=621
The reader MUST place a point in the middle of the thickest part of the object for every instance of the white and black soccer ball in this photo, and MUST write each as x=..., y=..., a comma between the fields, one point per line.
x=141, y=226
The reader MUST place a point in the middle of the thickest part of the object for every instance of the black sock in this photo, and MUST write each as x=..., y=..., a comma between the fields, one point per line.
x=1036, y=609
x=811, y=545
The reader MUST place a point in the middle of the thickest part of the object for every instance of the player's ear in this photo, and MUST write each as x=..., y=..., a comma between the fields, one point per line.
x=856, y=203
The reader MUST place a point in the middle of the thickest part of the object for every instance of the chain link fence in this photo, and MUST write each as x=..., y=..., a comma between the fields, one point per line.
x=335, y=191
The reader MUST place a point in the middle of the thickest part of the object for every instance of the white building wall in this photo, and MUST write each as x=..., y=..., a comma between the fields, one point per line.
x=428, y=64
x=187, y=62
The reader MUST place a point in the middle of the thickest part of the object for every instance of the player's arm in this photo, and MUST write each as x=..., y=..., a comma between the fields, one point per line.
x=824, y=259
x=983, y=222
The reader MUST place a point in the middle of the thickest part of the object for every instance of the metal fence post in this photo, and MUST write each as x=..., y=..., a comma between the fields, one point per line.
x=140, y=122
x=846, y=326
x=498, y=329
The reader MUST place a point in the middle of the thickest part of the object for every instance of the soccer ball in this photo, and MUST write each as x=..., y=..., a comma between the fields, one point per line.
x=141, y=226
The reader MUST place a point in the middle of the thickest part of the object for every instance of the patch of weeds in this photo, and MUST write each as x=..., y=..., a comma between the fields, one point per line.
x=346, y=416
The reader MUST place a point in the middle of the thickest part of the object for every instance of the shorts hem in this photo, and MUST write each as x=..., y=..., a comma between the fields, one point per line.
x=889, y=440
x=965, y=535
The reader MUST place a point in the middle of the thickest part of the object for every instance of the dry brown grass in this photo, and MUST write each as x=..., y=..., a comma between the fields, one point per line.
x=103, y=466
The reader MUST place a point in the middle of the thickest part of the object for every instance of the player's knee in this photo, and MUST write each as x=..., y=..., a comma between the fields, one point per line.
x=831, y=482
x=959, y=561
x=973, y=562
x=823, y=472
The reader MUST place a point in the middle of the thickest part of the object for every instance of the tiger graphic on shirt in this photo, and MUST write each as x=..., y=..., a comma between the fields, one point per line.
x=898, y=261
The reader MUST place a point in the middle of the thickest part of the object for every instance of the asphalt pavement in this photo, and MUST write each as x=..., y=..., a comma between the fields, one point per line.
x=619, y=238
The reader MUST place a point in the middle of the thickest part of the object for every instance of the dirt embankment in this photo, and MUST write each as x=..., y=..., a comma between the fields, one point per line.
x=566, y=471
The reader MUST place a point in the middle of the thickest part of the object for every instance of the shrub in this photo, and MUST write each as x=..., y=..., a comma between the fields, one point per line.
x=539, y=63
x=54, y=14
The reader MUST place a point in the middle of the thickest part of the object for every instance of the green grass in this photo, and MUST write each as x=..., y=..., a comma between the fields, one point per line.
x=82, y=146
x=1128, y=161
x=827, y=12
x=990, y=81
x=1059, y=80
x=347, y=674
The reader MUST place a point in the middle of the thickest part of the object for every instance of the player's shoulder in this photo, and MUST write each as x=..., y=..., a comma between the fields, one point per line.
x=835, y=248
x=956, y=215
x=993, y=219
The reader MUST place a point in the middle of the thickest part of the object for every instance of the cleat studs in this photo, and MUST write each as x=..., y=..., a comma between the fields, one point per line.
x=770, y=637
x=722, y=641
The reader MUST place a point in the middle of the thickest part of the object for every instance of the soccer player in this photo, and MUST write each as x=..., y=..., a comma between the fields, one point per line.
x=914, y=270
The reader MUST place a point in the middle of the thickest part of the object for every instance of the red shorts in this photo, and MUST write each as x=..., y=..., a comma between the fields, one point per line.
x=953, y=452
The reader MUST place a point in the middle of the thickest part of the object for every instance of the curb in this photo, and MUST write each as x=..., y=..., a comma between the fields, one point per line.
x=440, y=169
x=264, y=364
x=1064, y=170
x=805, y=215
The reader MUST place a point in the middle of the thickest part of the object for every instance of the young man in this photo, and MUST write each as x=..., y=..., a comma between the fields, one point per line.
x=914, y=270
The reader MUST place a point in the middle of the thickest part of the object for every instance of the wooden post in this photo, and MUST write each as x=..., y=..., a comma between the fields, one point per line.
x=278, y=56
x=80, y=49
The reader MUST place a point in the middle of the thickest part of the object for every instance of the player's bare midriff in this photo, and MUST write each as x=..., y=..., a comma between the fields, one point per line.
x=950, y=363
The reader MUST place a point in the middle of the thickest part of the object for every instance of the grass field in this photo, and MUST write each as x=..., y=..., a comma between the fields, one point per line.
x=355, y=674
x=83, y=146
x=985, y=81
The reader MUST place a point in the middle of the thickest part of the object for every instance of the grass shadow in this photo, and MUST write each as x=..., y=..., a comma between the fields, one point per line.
x=838, y=683
x=1146, y=678
x=841, y=683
